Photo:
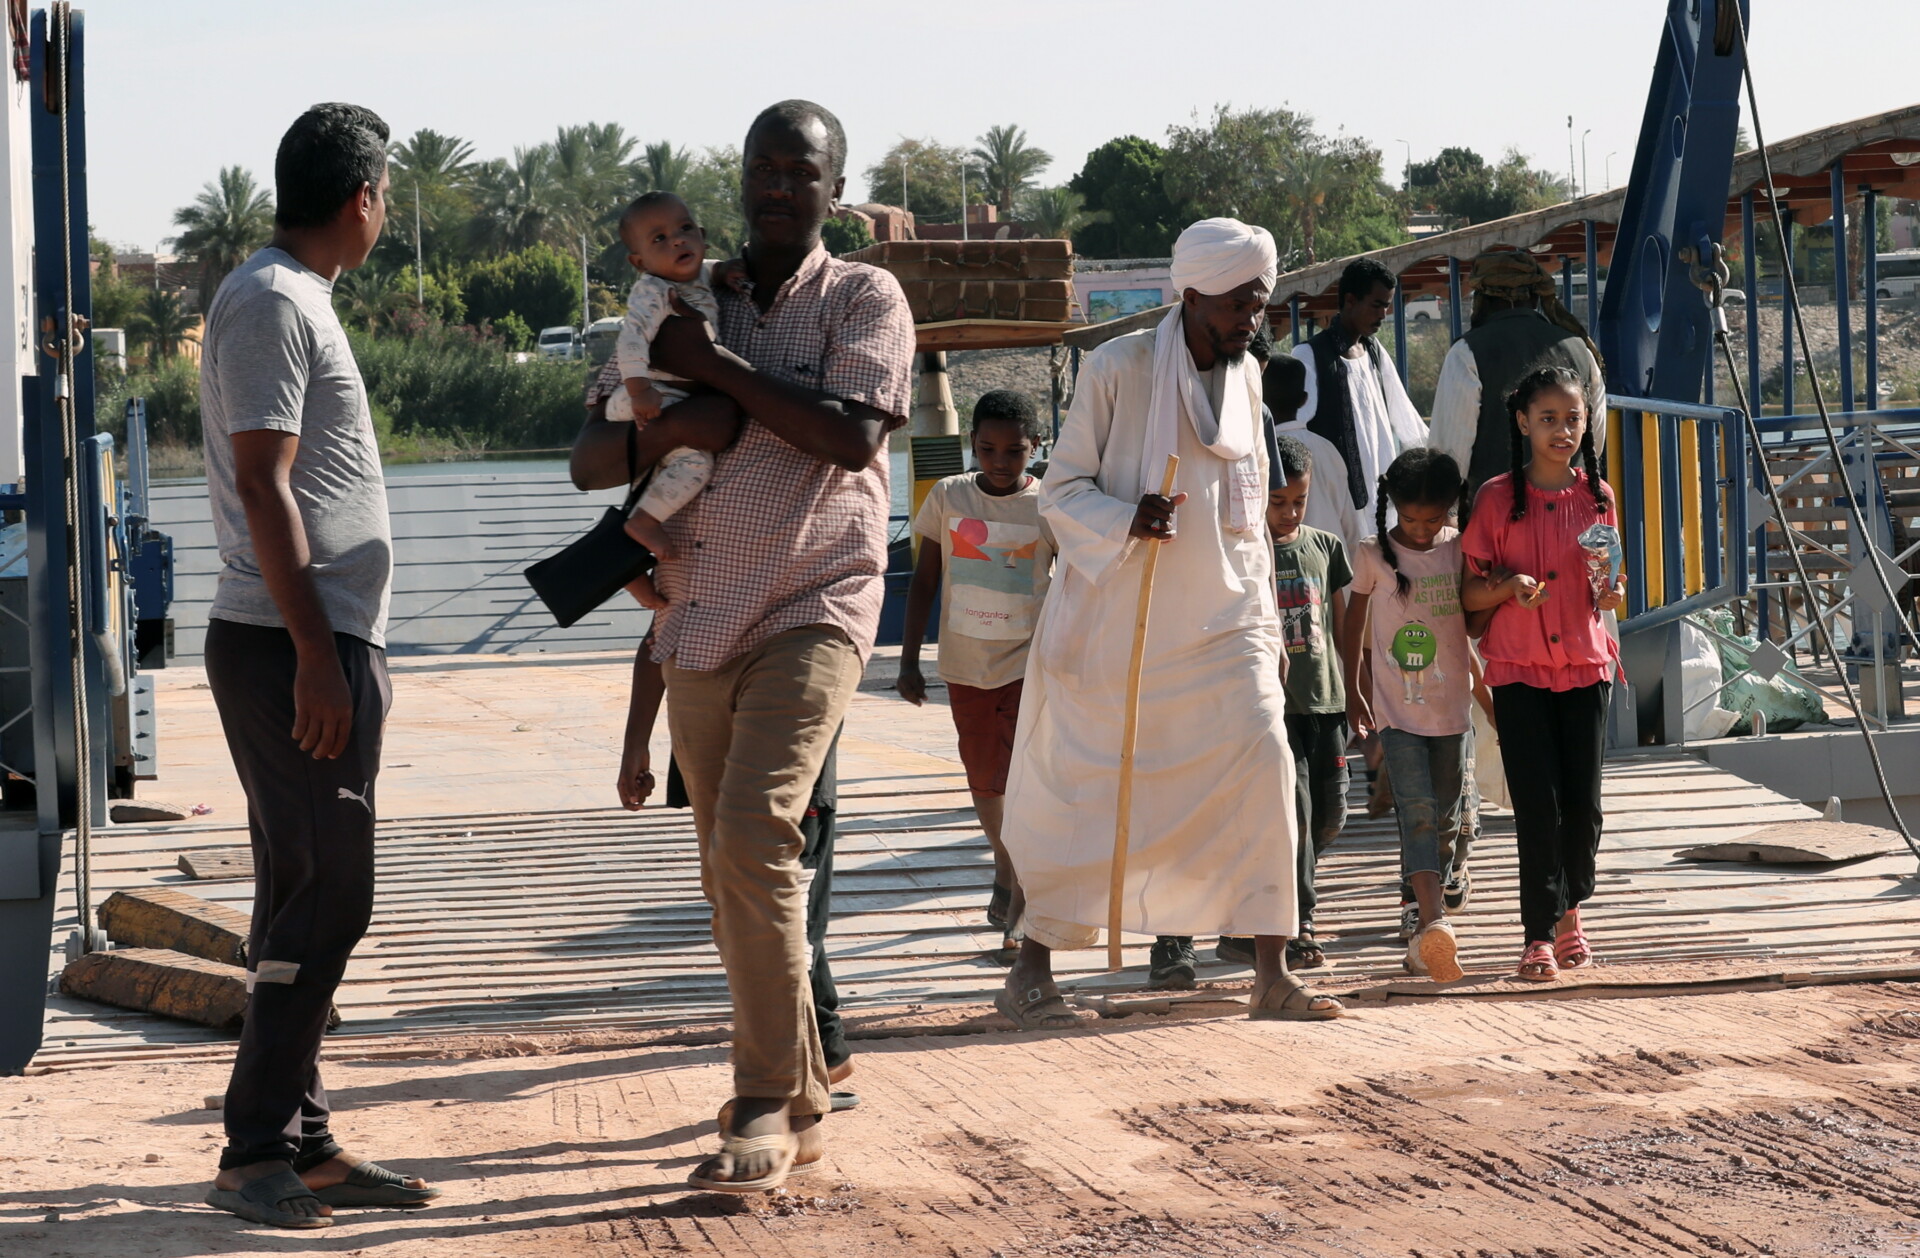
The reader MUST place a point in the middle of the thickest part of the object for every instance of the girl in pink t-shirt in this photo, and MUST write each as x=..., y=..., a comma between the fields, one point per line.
x=1550, y=659
x=1403, y=609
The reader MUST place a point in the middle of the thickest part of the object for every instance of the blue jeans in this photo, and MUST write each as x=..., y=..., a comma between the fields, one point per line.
x=1429, y=777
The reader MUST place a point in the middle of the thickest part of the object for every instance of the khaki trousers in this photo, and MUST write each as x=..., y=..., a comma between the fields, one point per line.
x=750, y=737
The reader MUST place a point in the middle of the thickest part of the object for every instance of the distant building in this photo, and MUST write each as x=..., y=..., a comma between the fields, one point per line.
x=1112, y=288
x=983, y=223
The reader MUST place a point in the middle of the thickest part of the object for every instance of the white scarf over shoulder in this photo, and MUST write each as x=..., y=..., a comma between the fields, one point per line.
x=1214, y=256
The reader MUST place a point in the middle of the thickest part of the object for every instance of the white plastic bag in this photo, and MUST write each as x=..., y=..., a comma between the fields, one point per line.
x=1699, y=680
x=1489, y=770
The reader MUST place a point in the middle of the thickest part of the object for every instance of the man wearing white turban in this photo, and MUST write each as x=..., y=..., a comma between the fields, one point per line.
x=1212, y=826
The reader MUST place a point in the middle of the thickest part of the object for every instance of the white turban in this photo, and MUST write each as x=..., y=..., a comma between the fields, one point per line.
x=1218, y=255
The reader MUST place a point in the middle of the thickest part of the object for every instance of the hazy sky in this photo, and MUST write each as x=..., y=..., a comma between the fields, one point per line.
x=178, y=89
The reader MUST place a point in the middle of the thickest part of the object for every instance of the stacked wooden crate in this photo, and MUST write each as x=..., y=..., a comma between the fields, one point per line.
x=1027, y=280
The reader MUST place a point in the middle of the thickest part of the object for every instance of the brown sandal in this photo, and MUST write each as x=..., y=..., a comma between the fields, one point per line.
x=1039, y=1008
x=1298, y=1005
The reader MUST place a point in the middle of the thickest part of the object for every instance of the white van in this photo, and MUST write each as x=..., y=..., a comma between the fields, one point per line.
x=561, y=342
x=1897, y=274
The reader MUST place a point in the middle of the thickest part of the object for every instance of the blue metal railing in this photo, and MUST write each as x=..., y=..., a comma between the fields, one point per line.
x=1717, y=522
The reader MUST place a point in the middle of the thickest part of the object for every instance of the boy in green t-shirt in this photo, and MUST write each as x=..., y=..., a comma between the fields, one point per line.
x=986, y=552
x=1310, y=575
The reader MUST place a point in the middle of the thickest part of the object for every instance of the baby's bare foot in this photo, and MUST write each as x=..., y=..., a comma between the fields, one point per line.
x=650, y=533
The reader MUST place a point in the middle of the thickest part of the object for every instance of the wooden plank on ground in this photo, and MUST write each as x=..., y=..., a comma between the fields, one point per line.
x=1801, y=843
x=158, y=980
x=233, y=862
x=162, y=917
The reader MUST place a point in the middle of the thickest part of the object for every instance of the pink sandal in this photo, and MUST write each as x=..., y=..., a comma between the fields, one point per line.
x=1537, y=964
x=1571, y=951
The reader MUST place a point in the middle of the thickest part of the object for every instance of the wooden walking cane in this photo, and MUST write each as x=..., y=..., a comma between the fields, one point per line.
x=1129, y=732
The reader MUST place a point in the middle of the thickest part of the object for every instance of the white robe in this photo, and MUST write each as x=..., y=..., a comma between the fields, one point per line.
x=1384, y=419
x=1213, y=831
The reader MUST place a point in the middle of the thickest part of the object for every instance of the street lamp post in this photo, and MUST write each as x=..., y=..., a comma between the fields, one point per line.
x=1610, y=158
x=1406, y=168
x=1585, y=185
x=419, y=254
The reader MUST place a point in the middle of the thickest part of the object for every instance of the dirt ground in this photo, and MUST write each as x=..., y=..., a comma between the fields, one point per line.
x=1779, y=1124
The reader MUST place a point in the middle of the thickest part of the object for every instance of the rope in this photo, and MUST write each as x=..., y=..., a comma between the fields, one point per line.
x=1857, y=512
x=60, y=20
x=1859, y=519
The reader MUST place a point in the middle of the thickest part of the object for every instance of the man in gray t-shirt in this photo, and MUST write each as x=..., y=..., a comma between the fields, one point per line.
x=295, y=656
x=277, y=358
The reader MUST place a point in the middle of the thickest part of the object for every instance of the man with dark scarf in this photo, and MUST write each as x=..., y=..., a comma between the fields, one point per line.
x=1355, y=398
x=1518, y=324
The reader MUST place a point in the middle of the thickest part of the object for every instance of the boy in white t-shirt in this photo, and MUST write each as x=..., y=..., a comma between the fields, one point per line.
x=988, y=555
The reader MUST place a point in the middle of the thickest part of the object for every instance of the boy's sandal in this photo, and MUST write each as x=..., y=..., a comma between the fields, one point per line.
x=1303, y=953
x=1297, y=1003
x=1039, y=1008
x=1571, y=951
x=738, y=1147
x=1537, y=964
x=261, y=1200
x=998, y=905
x=371, y=1184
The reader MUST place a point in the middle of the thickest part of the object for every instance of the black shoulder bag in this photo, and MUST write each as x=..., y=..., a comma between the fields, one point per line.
x=593, y=568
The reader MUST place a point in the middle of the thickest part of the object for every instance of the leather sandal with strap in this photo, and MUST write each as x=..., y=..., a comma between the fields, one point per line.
x=1537, y=964
x=1038, y=1008
x=1298, y=1003
x=1571, y=951
x=737, y=1147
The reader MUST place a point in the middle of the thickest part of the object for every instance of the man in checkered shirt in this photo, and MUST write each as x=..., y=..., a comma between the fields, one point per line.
x=775, y=597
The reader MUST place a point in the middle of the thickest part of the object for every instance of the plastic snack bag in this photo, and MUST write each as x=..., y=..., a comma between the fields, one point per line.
x=1601, y=545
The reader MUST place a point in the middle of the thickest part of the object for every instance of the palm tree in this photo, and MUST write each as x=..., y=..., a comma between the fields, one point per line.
x=428, y=157
x=371, y=296
x=437, y=170
x=230, y=218
x=664, y=168
x=1009, y=163
x=1307, y=178
x=1059, y=213
x=161, y=323
x=518, y=200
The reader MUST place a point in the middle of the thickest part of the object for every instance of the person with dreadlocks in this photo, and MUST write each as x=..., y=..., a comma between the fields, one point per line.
x=1355, y=399
x=1518, y=324
x=1550, y=659
x=1405, y=607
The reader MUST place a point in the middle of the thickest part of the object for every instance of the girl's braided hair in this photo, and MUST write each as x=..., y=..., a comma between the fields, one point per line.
x=1531, y=385
x=1420, y=477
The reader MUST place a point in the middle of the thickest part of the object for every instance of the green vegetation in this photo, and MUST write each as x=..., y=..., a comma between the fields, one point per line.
x=481, y=253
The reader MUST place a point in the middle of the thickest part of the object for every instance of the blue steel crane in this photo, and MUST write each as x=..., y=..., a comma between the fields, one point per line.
x=84, y=584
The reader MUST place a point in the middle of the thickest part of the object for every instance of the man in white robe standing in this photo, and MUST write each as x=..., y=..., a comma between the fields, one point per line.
x=1212, y=830
x=1355, y=398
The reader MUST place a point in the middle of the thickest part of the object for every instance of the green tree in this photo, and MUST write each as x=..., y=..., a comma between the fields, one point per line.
x=115, y=301
x=1459, y=184
x=230, y=218
x=514, y=333
x=438, y=170
x=539, y=283
x=1059, y=213
x=663, y=168
x=845, y=235
x=932, y=173
x=1270, y=167
x=1008, y=164
x=516, y=201
x=590, y=167
x=372, y=297
x=160, y=323
x=711, y=190
x=1126, y=180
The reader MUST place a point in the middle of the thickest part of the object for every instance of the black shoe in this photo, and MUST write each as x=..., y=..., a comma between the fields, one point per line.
x=1235, y=951
x=1174, y=967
